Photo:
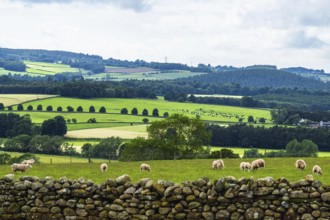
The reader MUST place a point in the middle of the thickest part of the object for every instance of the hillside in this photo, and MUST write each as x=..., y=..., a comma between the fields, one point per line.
x=262, y=78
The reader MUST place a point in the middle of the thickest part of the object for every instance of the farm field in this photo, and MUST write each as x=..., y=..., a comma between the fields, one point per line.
x=148, y=75
x=85, y=125
x=218, y=96
x=125, y=132
x=176, y=171
x=215, y=113
x=14, y=99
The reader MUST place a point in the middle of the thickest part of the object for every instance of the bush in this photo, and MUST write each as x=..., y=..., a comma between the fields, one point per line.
x=252, y=153
x=223, y=153
x=79, y=109
x=2, y=106
x=59, y=109
x=124, y=111
x=20, y=107
x=165, y=114
x=145, y=120
x=91, y=109
x=134, y=111
x=91, y=120
x=70, y=109
x=49, y=108
x=102, y=110
x=30, y=108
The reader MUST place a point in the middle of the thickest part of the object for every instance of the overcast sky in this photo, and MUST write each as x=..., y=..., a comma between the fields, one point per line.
x=219, y=32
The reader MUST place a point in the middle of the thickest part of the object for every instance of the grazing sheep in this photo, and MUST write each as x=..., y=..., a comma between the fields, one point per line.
x=145, y=167
x=30, y=161
x=317, y=169
x=309, y=177
x=104, y=167
x=300, y=164
x=256, y=164
x=218, y=164
x=20, y=167
x=245, y=166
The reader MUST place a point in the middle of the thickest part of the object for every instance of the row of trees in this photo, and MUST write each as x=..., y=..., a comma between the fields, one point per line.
x=145, y=112
x=276, y=137
x=13, y=65
x=49, y=108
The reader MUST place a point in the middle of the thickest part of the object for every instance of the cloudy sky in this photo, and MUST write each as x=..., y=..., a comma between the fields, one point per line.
x=219, y=32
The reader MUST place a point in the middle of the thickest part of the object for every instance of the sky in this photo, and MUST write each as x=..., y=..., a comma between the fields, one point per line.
x=285, y=33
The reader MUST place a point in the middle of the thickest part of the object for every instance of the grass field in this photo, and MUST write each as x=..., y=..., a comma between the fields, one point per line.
x=145, y=75
x=14, y=99
x=218, y=96
x=176, y=171
x=216, y=113
x=48, y=68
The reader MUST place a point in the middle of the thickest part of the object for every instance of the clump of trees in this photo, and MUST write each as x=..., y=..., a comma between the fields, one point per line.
x=175, y=137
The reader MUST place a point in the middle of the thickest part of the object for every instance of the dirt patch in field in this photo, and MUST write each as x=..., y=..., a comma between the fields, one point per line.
x=104, y=133
x=129, y=70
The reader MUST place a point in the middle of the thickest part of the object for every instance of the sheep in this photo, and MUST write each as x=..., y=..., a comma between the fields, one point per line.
x=300, y=164
x=317, y=169
x=104, y=167
x=145, y=167
x=245, y=166
x=20, y=167
x=256, y=164
x=30, y=161
x=218, y=164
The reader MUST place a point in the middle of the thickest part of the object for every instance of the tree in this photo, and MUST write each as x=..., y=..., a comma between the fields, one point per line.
x=102, y=110
x=91, y=109
x=79, y=109
x=70, y=109
x=30, y=108
x=59, y=109
x=108, y=147
x=185, y=135
x=39, y=107
x=2, y=106
x=19, y=143
x=124, y=111
x=55, y=126
x=155, y=112
x=20, y=107
x=91, y=120
x=145, y=120
x=49, y=108
x=145, y=112
x=306, y=148
x=165, y=114
x=247, y=101
x=134, y=111
x=250, y=119
x=10, y=108
x=74, y=120
x=87, y=151
x=262, y=120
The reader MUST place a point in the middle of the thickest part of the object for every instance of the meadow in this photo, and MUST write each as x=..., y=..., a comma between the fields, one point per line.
x=206, y=112
x=176, y=171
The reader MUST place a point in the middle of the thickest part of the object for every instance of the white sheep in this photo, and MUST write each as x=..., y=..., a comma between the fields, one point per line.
x=256, y=164
x=104, y=167
x=245, y=166
x=218, y=164
x=300, y=164
x=317, y=169
x=20, y=167
x=145, y=167
x=30, y=161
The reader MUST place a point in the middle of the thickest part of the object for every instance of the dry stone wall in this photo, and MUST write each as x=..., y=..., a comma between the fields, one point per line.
x=225, y=198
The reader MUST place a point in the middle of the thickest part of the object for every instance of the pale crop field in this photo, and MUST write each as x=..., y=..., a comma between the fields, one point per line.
x=218, y=96
x=126, y=132
x=14, y=99
x=207, y=112
x=176, y=171
x=48, y=68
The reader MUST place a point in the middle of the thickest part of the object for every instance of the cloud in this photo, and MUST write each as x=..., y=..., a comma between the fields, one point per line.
x=301, y=40
x=135, y=5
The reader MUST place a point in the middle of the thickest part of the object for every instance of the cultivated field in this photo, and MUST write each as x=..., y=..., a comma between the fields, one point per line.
x=147, y=75
x=125, y=132
x=218, y=96
x=14, y=99
x=176, y=171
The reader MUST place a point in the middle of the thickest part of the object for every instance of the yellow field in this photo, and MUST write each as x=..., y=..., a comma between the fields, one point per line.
x=14, y=99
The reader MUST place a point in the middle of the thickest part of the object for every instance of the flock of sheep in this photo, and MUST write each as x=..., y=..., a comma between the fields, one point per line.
x=143, y=167
x=23, y=166
x=259, y=163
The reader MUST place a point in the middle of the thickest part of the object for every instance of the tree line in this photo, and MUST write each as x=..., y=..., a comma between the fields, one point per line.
x=276, y=137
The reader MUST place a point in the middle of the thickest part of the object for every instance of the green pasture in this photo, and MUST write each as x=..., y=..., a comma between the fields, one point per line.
x=216, y=113
x=14, y=99
x=48, y=68
x=176, y=171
